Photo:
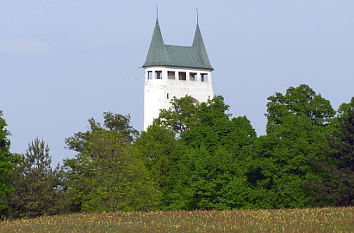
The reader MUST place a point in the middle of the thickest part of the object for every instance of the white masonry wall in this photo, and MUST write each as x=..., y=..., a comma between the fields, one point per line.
x=159, y=92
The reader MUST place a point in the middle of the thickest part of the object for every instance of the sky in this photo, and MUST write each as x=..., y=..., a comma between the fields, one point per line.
x=65, y=61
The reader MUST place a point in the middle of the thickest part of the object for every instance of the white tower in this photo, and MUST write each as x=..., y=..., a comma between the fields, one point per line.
x=175, y=71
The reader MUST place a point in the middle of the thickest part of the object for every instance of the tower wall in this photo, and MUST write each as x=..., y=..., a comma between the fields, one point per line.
x=159, y=92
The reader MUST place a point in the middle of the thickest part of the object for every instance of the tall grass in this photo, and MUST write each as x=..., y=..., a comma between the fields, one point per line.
x=284, y=220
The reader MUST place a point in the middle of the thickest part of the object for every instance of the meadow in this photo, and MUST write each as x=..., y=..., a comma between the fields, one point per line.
x=283, y=220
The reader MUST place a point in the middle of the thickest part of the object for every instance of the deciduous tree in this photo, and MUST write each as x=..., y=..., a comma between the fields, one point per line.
x=207, y=171
x=6, y=166
x=155, y=147
x=297, y=123
x=107, y=173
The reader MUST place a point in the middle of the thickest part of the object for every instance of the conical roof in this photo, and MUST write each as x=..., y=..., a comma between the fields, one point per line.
x=194, y=56
x=198, y=45
x=157, y=52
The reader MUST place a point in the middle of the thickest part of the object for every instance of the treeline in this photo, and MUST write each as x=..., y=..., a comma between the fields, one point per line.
x=194, y=156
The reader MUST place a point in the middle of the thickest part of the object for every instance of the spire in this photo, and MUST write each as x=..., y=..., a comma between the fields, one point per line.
x=197, y=17
x=157, y=12
x=198, y=44
x=157, y=36
x=157, y=52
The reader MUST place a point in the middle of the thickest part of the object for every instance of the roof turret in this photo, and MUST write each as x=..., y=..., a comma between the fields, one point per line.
x=157, y=52
x=198, y=45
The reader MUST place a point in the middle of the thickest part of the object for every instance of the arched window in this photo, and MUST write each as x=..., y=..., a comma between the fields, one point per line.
x=194, y=100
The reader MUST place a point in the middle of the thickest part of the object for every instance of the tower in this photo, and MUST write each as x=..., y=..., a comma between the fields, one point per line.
x=175, y=71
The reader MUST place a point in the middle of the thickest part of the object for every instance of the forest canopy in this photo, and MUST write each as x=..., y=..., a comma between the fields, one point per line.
x=193, y=156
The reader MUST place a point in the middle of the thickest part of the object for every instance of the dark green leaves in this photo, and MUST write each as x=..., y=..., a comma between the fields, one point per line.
x=301, y=101
x=6, y=165
x=208, y=165
x=39, y=189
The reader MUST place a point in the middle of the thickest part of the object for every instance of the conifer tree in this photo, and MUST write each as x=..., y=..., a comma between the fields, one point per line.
x=38, y=187
x=337, y=185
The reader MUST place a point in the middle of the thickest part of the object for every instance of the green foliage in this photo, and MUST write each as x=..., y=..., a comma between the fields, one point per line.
x=297, y=122
x=206, y=171
x=220, y=164
x=155, y=147
x=302, y=102
x=337, y=185
x=38, y=187
x=180, y=116
x=107, y=174
x=113, y=122
x=7, y=161
x=194, y=156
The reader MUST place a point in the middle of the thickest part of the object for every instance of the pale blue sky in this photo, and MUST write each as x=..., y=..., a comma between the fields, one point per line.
x=64, y=61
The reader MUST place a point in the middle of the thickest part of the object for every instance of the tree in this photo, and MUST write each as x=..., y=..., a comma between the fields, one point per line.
x=180, y=116
x=206, y=171
x=107, y=173
x=155, y=147
x=336, y=187
x=113, y=122
x=38, y=187
x=7, y=162
x=297, y=123
x=301, y=101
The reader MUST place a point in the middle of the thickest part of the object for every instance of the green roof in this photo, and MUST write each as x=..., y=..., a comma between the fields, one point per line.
x=160, y=54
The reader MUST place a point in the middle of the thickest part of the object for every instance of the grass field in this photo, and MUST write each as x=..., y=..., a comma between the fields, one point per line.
x=288, y=220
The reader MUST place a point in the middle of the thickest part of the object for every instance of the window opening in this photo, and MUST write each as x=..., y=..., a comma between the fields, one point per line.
x=182, y=75
x=168, y=96
x=194, y=101
x=193, y=76
x=204, y=77
x=158, y=74
x=171, y=75
x=149, y=74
